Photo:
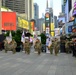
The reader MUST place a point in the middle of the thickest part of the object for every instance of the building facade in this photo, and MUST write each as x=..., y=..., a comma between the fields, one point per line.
x=40, y=23
x=71, y=9
x=61, y=20
x=36, y=13
x=55, y=22
x=63, y=5
x=20, y=6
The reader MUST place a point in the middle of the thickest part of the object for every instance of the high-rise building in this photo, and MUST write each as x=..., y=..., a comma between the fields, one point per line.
x=20, y=6
x=55, y=22
x=51, y=4
x=63, y=5
x=36, y=11
x=40, y=22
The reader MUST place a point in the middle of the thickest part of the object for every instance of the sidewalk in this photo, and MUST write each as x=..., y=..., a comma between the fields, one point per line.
x=33, y=64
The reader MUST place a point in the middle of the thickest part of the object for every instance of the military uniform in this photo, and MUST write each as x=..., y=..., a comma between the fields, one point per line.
x=37, y=46
x=27, y=46
x=10, y=46
x=56, y=46
x=51, y=47
x=67, y=46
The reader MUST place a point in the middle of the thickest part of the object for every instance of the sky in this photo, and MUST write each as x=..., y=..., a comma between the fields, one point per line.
x=42, y=6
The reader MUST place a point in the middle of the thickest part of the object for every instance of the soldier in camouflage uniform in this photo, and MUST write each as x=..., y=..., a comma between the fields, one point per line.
x=27, y=46
x=51, y=47
x=67, y=46
x=56, y=46
x=11, y=46
x=37, y=46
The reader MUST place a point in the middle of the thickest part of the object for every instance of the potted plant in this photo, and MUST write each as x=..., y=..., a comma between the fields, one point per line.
x=17, y=38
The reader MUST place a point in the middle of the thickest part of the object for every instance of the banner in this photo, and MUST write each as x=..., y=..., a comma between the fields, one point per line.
x=8, y=20
x=52, y=26
x=52, y=29
x=23, y=23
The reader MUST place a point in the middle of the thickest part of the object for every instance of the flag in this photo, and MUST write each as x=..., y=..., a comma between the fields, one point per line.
x=10, y=36
x=23, y=37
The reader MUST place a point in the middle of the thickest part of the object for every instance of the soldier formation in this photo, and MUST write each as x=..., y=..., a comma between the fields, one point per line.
x=70, y=46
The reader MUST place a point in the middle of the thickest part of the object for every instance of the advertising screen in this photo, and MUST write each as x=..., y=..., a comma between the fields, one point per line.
x=68, y=27
x=23, y=23
x=61, y=19
x=8, y=21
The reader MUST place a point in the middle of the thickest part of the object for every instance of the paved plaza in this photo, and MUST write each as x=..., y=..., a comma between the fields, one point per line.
x=33, y=64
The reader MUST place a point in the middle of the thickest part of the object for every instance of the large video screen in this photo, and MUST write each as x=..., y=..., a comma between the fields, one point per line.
x=61, y=19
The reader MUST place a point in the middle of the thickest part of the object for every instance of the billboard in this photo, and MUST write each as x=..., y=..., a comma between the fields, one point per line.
x=68, y=27
x=67, y=11
x=23, y=23
x=52, y=26
x=43, y=26
x=61, y=19
x=8, y=20
x=52, y=29
x=74, y=10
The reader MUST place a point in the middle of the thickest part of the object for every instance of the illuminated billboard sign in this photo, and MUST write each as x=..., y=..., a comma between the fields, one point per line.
x=8, y=21
x=74, y=10
x=47, y=19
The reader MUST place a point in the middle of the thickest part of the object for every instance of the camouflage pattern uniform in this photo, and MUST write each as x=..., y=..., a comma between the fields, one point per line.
x=37, y=46
x=27, y=46
x=56, y=46
x=67, y=46
x=10, y=46
x=52, y=47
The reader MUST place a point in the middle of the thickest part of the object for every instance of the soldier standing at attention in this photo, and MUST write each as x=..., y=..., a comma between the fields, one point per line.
x=37, y=46
x=56, y=46
x=10, y=46
x=14, y=45
x=51, y=47
x=27, y=46
x=67, y=46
